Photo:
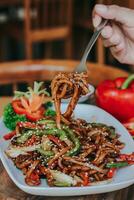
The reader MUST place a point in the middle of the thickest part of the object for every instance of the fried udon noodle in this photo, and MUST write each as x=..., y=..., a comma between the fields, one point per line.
x=67, y=151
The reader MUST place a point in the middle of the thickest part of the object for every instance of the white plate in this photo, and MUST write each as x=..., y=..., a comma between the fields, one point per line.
x=123, y=178
x=84, y=97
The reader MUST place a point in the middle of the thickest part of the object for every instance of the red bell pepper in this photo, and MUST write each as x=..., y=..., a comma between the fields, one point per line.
x=85, y=178
x=31, y=140
x=26, y=125
x=8, y=136
x=33, y=180
x=127, y=157
x=130, y=127
x=57, y=141
x=117, y=97
x=111, y=172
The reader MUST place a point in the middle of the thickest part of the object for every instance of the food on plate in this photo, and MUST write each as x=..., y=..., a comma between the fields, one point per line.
x=129, y=125
x=64, y=86
x=30, y=105
x=81, y=154
x=66, y=151
x=10, y=118
x=117, y=97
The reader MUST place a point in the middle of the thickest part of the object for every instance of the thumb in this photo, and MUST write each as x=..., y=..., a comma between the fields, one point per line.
x=122, y=15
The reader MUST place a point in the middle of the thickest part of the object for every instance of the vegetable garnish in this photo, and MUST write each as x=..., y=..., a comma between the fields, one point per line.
x=33, y=94
x=10, y=118
x=50, y=113
x=30, y=105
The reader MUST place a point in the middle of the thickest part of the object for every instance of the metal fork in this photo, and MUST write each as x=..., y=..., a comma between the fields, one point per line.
x=82, y=65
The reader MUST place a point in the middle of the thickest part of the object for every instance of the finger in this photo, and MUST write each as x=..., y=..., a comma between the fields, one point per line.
x=96, y=19
x=114, y=12
x=117, y=48
x=119, y=52
x=107, y=32
x=116, y=39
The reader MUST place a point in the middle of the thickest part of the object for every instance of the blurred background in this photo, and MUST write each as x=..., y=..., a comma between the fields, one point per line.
x=50, y=29
x=57, y=29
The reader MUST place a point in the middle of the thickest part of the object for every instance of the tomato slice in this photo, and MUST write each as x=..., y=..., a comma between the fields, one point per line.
x=18, y=108
x=32, y=116
x=39, y=114
x=9, y=135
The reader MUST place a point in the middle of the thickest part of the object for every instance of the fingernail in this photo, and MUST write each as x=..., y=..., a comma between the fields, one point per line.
x=101, y=8
x=96, y=20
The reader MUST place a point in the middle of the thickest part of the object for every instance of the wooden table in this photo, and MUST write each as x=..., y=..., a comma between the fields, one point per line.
x=9, y=191
x=30, y=70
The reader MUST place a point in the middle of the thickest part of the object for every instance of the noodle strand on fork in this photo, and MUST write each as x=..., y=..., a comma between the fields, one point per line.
x=63, y=86
x=72, y=103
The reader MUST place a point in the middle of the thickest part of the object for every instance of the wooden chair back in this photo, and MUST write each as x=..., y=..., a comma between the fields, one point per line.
x=51, y=21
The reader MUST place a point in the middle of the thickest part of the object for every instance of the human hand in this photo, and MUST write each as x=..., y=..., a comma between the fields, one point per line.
x=118, y=35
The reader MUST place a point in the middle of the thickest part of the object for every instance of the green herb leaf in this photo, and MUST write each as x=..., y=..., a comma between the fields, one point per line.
x=116, y=165
x=50, y=112
x=48, y=104
x=10, y=118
